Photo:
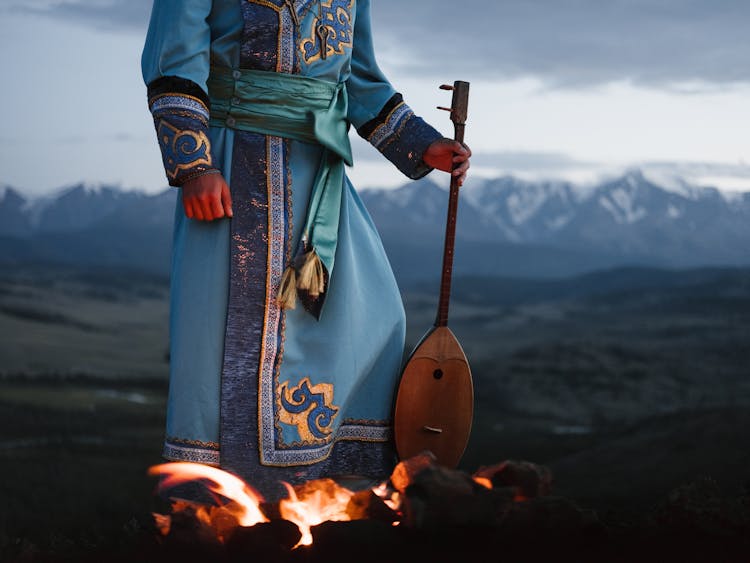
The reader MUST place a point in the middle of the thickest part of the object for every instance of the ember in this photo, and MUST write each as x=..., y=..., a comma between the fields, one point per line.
x=419, y=494
x=314, y=503
x=245, y=505
x=308, y=505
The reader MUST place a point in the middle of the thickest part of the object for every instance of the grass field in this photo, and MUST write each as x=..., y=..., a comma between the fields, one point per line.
x=61, y=322
x=73, y=460
x=625, y=396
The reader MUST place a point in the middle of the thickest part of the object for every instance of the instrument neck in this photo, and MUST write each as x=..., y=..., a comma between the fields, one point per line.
x=450, y=242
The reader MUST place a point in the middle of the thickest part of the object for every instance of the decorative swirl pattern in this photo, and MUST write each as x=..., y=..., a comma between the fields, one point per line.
x=309, y=408
x=181, y=123
x=336, y=16
x=183, y=150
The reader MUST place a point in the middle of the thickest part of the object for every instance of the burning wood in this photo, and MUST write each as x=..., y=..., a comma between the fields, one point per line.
x=404, y=473
x=420, y=497
x=527, y=479
x=313, y=503
x=245, y=505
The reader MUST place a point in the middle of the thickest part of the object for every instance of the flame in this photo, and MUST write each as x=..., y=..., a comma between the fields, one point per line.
x=317, y=502
x=308, y=505
x=246, y=507
x=163, y=523
x=486, y=483
x=391, y=498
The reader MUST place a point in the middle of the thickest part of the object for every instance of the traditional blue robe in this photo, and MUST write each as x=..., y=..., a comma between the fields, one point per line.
x=268, y=393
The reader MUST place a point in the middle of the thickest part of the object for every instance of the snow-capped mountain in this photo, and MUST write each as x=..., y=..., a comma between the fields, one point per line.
x=630, y=218
x=506, y=226
x=78, y=208
x=83, y=225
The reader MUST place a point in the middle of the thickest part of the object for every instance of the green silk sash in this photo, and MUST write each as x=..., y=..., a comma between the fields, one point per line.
x=294, y=107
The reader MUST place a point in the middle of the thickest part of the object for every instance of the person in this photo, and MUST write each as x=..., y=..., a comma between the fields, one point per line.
x=286, y=325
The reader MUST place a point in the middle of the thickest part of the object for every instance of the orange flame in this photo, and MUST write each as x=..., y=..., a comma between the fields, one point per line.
x=486, y=483
x=311, y=504
x=391, y=498
x=308, y=505
x=320, y=501
x=246, y=499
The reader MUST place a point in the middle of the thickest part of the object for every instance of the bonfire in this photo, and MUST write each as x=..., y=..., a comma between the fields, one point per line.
x=419, y=495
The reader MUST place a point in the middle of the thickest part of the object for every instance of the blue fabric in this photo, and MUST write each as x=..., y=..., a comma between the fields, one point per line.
x=301, y=108
x=198, y=305
x=235, y=355
x=287, y=105
x=181, y=124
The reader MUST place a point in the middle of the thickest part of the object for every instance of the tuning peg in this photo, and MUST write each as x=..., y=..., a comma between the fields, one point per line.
x=446, y=87
x=445, y=109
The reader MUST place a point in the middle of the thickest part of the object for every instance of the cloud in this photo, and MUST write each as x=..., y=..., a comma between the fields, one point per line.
x=544, y=162
x=682, y=176
x=113, y=137
x=543, y=165
x=537, y=161
x=685, y=46
x=689, y=169
x=573, y=43
x=126, y=15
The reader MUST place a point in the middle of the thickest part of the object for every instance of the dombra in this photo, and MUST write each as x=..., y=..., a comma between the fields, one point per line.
x=435, y=401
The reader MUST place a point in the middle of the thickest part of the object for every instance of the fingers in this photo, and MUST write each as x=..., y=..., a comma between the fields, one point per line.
x=187, y=206
x=210, y=206
x=207, y=198
x=198, y=211
x=461, y=152
x=462, y=149
x=226, y=200
x=461, y=162
x=216, y=206
x=194, y=209
x=461, y=169
x=460, y=173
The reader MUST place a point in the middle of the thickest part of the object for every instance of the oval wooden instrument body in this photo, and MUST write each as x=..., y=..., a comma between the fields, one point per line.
x=435, y=401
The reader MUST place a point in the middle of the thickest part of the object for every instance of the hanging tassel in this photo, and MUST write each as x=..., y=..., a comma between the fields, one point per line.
x=311, y=278
x=287, y=296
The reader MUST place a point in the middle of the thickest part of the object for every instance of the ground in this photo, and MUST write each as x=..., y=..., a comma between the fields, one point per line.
x=625, y=396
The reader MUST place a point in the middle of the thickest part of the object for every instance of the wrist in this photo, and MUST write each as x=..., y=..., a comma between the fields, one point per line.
x=181, y=123
x=195, y=175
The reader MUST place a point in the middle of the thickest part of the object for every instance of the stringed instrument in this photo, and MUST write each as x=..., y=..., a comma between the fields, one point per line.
x=435, y=399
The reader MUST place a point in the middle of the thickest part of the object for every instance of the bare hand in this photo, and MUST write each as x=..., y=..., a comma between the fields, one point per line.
x=207, y=198
x=449, y=156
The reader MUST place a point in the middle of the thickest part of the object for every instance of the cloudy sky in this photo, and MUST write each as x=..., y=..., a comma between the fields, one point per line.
x=575, y=89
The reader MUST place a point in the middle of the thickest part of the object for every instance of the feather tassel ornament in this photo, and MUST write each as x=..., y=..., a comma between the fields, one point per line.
x=311, y=278
x=287, y=296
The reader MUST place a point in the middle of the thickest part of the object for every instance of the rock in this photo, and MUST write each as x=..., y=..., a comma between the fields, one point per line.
x=439, y=497
x=406, y=470
x=528, y=479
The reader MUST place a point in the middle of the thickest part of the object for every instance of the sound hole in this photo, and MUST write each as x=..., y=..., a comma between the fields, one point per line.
x=437, y=374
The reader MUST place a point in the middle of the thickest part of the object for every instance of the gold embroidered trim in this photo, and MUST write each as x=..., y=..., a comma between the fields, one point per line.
x=194, y=443
x=308, y=407
x=181, y=144
x=366, y=422
x=267, y=4
x=338, y=22
x=176, y=94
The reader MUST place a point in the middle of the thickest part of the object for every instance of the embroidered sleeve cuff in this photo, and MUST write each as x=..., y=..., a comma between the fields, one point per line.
x=401, y=137
x=181, y=122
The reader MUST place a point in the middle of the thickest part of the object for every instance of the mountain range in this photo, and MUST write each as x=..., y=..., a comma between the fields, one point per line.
x=512, y=227
x=506, y=227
